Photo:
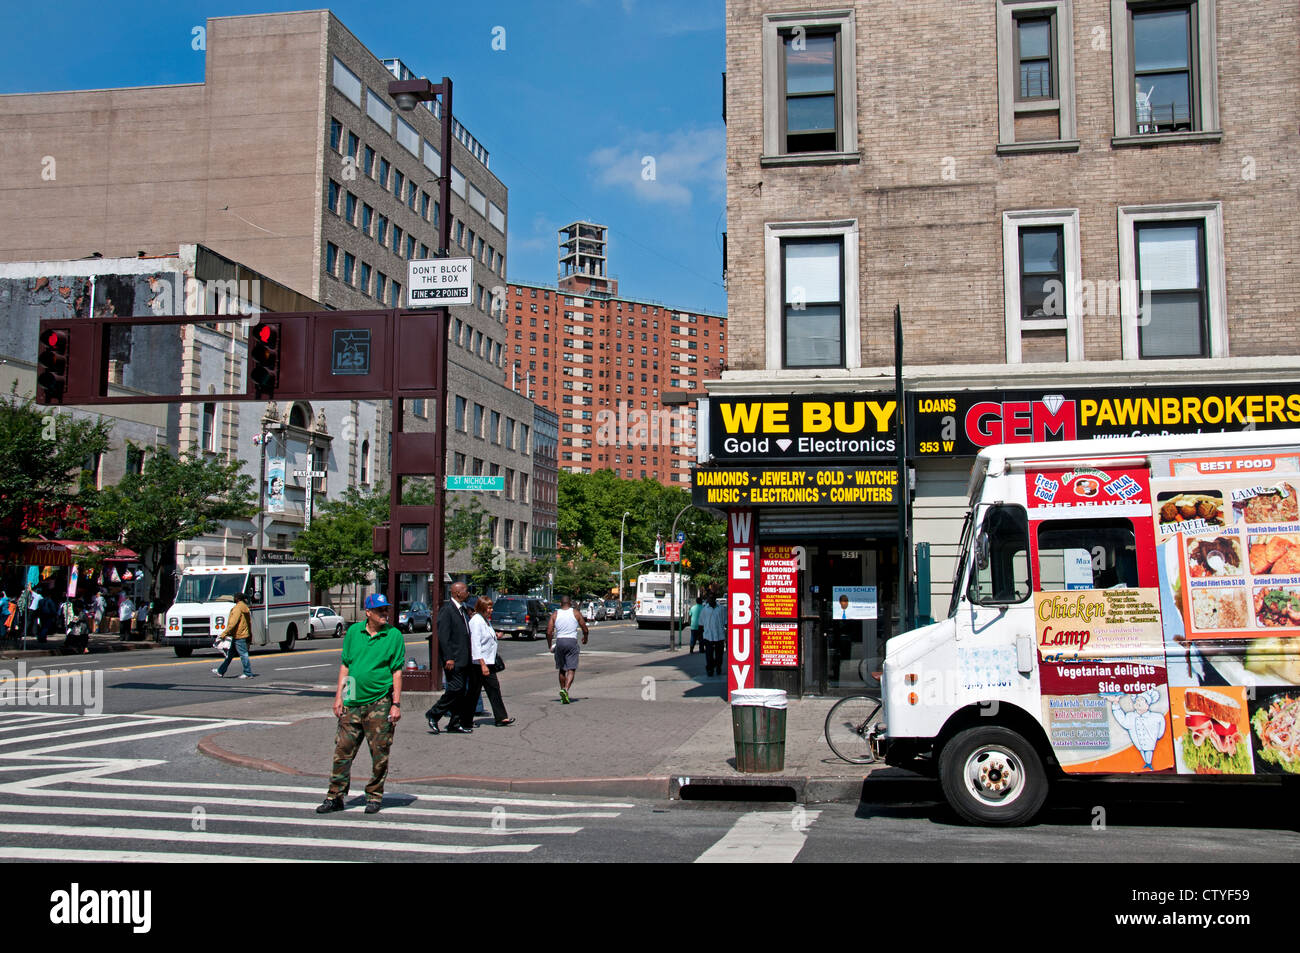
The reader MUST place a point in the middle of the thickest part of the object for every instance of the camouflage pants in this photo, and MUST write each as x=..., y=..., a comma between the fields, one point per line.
x=372, y=722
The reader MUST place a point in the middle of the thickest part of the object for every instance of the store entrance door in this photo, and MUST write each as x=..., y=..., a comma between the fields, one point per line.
x=850, y=597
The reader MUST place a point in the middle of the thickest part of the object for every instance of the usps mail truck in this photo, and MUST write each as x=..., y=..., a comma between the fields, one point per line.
x=277, y=595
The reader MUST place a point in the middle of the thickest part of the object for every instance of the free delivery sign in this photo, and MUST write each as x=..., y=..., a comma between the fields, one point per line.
x=438, y=282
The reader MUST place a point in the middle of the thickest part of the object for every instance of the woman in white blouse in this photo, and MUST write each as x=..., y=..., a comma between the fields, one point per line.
x=483, y=650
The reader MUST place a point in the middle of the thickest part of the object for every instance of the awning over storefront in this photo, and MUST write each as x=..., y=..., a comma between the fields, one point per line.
x=65, y=552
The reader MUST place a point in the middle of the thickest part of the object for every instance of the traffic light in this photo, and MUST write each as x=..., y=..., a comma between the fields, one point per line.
x=264, y=360
x=52, y=377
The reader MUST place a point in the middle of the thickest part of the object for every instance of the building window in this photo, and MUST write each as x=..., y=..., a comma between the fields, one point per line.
x=368, y=161
x=331, y=259
x=495, y=424
x=208, y=431
x=1036, y=76
x=365, y=278
x=398, y=180
x=460, y=414
x=418, y=408
x=424, y=205
x=1171, y=281
x=350, y=209
x=1041, y=272
x=353, y=145
x=381, y=229
x=332, y=197
x=349, y=265
x=812, y=303
x=382, y=179
x=809, y=84
x=367, y=216
x=1164, y=67
x=478, y=420
x=395, y=295
x=381, y=286
x=397, y=241
x=336, y=134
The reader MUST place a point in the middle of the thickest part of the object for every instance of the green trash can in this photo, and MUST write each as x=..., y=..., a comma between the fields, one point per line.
x=758, y=726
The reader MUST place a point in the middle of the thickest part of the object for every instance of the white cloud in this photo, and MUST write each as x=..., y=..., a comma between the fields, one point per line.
x=664, y=167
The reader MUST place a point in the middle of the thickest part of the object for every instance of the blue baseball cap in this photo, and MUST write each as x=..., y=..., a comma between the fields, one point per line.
x=376, y=600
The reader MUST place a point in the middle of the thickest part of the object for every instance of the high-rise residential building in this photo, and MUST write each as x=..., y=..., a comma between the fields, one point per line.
x=291, y=158
x=610, y=366
x=1086, y=219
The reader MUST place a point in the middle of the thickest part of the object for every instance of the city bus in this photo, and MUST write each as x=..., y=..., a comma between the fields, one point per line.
x=654, y=598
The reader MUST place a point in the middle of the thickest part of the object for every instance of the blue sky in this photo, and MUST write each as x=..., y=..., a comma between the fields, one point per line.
x=582, y=94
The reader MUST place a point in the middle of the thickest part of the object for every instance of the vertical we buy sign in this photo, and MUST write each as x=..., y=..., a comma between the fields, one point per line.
x=740, y=599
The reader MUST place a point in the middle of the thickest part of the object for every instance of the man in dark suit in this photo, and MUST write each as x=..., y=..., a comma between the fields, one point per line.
x=453, y=649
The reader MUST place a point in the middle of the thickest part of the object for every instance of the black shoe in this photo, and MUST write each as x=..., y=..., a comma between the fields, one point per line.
x=433, y=724
x=460, y=730
x=508, y=721
x=330, y=805
x=372, y=807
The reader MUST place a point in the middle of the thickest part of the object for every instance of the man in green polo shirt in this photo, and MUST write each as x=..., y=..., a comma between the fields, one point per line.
x=367, y=702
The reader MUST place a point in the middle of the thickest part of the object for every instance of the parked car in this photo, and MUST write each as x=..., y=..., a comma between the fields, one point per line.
x=519, y=615
x=413, y=616
x=325, y=622
x=613, y=609
x=629, y=610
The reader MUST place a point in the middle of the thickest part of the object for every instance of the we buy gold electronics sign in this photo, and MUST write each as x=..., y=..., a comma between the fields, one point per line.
x=812, y=429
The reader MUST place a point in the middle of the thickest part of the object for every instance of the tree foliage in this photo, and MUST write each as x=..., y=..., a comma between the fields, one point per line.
x=40, y=468
x=171, y=499
x=591, y=507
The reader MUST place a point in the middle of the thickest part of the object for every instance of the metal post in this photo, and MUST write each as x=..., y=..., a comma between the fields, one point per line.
x=261, y=499
x=675, y=640
x=620, y=555
x=440, y=432
x=904, y=560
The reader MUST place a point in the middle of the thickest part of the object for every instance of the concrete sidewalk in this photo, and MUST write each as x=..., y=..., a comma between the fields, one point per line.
x=642, y=724
x=107, y=642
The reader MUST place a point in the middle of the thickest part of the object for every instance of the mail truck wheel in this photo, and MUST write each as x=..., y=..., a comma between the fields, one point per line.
x=183, y=651
x=991, y=775
x=290, y=639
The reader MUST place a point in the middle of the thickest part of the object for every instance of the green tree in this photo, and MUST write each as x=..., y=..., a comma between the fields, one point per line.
x=172, y=499
x=44, y=452
x=339, y=545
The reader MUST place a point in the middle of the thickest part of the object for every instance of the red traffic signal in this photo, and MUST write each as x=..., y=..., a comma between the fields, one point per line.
x=264, y=360
x=52, y=360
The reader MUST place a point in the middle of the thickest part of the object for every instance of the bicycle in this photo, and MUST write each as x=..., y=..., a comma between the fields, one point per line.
x=849, y=724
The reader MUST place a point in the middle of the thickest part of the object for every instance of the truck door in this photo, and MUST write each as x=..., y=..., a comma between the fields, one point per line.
x=1097, y=623
x=255, y=590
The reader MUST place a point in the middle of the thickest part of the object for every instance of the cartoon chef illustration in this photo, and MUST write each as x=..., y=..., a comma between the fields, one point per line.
x=1144, y=724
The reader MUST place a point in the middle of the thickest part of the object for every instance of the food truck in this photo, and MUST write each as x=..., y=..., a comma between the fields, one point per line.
x=277, y=602
x=1125, y=606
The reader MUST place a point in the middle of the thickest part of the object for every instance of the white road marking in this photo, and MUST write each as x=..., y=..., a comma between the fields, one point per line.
x=144, y=857
x=206, y=837
x=300, y=668
x=486, y=830
x=760, y=837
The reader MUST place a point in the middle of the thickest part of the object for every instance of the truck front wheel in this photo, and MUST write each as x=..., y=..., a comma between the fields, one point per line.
x=183, y=651
x=991, y=775
x=290, y=639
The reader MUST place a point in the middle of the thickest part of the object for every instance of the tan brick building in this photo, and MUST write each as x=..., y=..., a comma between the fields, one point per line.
x=292, y=159
x=1058, y=194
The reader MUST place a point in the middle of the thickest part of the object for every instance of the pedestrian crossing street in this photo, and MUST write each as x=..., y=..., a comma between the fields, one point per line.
x=82, y=788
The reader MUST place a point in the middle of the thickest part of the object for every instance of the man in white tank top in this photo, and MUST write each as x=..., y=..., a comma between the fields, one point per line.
x=562, y=639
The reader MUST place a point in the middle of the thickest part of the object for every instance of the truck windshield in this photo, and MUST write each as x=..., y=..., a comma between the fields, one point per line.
x=963, y=558
x=211, y=587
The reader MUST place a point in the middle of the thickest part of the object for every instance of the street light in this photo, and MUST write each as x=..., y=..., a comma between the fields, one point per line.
x=620, y=555
x=675, y=640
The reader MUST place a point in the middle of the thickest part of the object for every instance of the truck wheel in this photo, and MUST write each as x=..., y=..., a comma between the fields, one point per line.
x=183, y=651
x=991, y=775
x=290, y=640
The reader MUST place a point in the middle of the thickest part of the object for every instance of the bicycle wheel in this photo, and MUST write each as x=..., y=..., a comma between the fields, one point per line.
x=847, y=726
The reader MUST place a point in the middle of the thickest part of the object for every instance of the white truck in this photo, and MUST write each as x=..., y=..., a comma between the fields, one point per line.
x=654, y=598
x=278, y=597
x=1120, y=607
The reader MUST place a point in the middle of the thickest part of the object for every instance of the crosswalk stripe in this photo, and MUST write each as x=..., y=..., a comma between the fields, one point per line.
x=125, y=739
x=145, y=857
x=294, y=789
x=206, y=837
x=67, y=733
x=19, y=788
x=29, y=725
x=760, y=837
x=485, y=831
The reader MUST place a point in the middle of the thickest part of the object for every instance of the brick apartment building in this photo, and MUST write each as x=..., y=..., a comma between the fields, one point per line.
x=1078, y=205
x=608, y=366
x=292, y=159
